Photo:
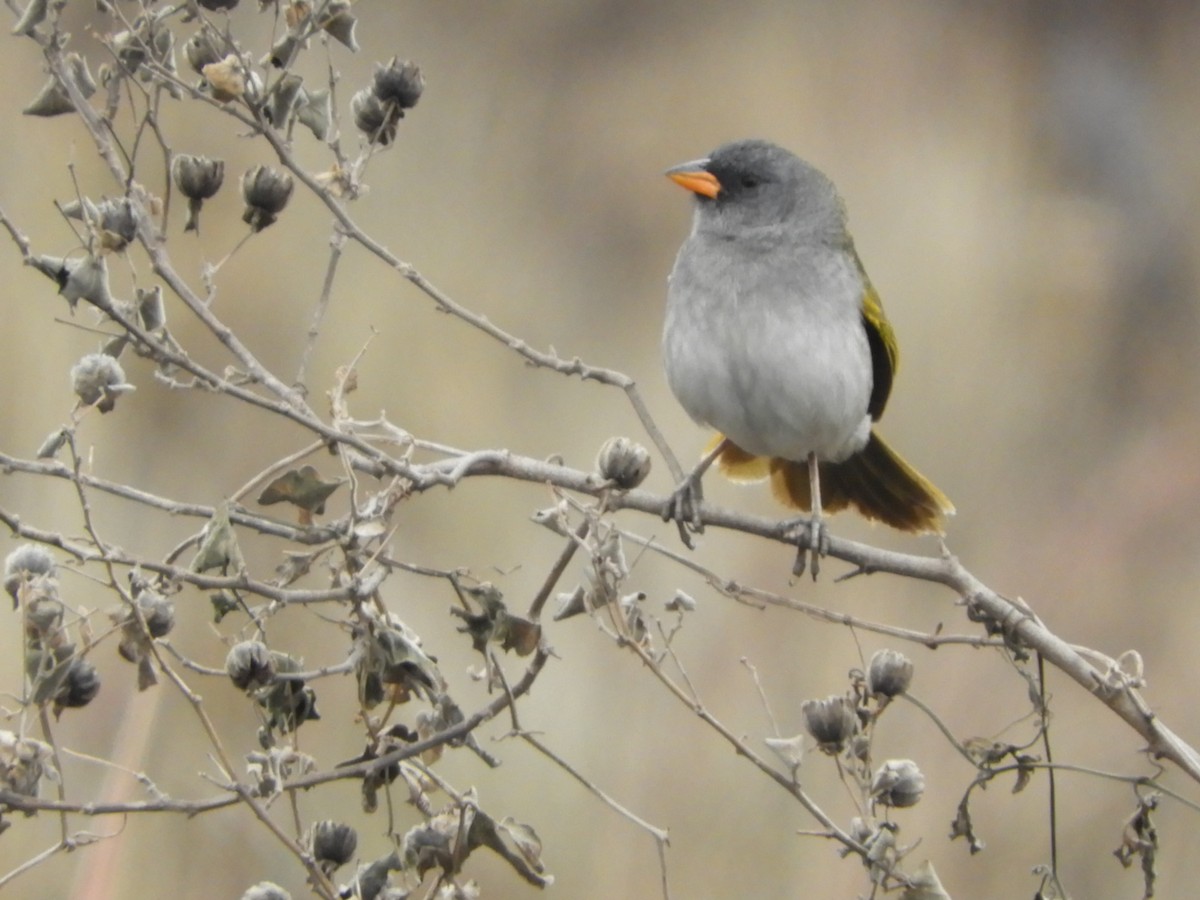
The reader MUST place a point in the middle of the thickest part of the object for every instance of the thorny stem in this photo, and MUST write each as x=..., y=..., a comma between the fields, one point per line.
x=982, y=602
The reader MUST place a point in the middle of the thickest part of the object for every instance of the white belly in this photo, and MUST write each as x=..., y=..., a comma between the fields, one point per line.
x=778, y=372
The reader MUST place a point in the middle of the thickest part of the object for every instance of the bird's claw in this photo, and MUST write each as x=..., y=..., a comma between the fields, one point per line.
x=683, y=508
x=812, y=539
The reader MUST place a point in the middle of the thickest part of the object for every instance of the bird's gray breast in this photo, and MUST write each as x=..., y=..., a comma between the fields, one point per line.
x=766, y=344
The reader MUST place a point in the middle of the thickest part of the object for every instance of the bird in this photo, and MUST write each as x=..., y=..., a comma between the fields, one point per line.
x=774, y=337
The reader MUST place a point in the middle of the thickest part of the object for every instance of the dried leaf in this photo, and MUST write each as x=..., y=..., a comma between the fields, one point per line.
x=53, y=443
x=33, y=16
x=287, y=702
x=1025, y=770
x=789, y=750
x=925, y=885
x=521, y=635
x=294, y=566
x=988, y=752
x=340, y=23
x=484, y=832
x=369, y=529
x=218, y=546
x=372, y=878
x=495, y=624
x=1140, y=839
x=681, y=602
x=525, y=839
x=392, y=665
x=303, y=488
x=962, y=827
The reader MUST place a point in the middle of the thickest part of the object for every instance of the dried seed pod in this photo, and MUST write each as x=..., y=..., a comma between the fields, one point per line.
x=249, y=665
x=375, y=118
x=43, y=619
x=889, y=673
x=98, y=380
x=266, y=192
x=27, y=562
x=399, y=82
x=117, y=223
x=157, y=611
x=623, y=462
x=898, y=783
x=114, y=221
x=286, y=49
x=79, y=688
x=198, y=178
x=332, y=844
x=831, y=722
x=203, y=49
x=149, y=39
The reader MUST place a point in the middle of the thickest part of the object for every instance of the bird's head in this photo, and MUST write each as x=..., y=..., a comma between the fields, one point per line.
x=757, y=185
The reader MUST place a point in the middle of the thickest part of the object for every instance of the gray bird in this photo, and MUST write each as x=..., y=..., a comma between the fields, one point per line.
x=775, y=338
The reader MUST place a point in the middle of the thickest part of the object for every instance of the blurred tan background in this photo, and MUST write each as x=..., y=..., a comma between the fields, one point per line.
x=1022, y=182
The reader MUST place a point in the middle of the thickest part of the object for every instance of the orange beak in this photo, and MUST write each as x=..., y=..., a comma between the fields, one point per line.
x=696, y=178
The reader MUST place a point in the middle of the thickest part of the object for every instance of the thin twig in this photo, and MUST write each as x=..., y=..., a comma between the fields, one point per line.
x=336, y=243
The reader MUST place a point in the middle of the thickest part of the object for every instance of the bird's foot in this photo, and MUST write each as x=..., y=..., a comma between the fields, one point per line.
x=683, y=508
x=812, y=539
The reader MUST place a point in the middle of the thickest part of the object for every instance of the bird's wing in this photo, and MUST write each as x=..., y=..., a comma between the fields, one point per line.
x=884, y=353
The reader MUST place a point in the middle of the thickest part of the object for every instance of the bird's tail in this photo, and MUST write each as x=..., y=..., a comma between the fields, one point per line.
x=736, y=464
x=875, y=481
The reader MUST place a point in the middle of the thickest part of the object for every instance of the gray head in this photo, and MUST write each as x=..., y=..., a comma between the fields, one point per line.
x=759, y=185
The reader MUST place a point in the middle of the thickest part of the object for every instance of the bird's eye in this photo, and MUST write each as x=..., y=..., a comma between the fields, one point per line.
x=750, y=181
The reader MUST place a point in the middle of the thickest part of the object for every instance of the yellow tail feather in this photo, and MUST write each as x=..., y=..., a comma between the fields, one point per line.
x=876, y=481
x=737, y=465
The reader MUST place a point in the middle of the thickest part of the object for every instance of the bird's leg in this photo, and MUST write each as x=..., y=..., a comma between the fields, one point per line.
x=818, y=539
x=683, y=506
